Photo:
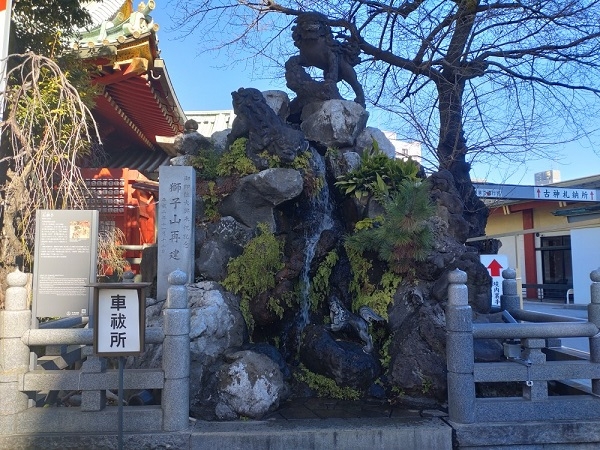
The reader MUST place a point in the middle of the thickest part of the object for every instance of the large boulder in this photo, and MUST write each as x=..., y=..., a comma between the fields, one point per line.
x=224, y=241
x=279, y=102
x=418, y=345
x=342, y=360
x=249, y=385
x=333, y=123
x=256, y=195
x=216, y=323
x=217, y=327
x=364, y=141
x=219, y=139
x=191, y=142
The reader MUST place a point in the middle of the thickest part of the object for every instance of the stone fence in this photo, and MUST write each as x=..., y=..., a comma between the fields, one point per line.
x=19, y=383
x=526, y=346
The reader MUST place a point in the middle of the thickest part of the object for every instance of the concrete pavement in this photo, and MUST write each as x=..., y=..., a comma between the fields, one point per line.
x=561, y=309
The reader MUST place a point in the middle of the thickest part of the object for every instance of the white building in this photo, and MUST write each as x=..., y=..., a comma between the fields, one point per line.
x=547, y=177
x=210, y=122
x=405, y=149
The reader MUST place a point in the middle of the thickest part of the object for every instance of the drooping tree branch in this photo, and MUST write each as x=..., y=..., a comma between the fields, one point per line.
x=48, y=128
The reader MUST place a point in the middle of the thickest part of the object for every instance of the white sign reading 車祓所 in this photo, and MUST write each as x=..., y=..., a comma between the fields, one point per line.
x=118, y=320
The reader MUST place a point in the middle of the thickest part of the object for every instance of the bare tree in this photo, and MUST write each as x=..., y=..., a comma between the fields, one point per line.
x=47, y=129
x=472, y=78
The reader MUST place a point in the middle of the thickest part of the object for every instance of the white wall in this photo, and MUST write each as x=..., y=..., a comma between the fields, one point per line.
x=585, y=254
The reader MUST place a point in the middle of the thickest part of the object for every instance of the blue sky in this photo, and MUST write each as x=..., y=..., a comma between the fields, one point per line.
x=200, y=85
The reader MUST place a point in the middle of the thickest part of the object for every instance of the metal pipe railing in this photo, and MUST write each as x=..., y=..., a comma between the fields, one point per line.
x=65, y=322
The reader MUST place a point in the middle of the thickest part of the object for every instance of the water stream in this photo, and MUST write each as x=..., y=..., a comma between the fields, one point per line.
x=320, y=219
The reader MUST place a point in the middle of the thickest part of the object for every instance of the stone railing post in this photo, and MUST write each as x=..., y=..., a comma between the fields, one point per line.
x=509, y=300
x=92, y=400
x=532, y=352
x=15, y=320
x=594, y=317
x=459, y=350
x=176, y=355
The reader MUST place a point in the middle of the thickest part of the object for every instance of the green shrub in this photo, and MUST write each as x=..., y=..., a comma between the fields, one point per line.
x=235, y=161
x=319, y=288
x=403, y=237
x=253, y=272
x=377, y=175
x=326, y=387
x=206, y=163
x=380, y=297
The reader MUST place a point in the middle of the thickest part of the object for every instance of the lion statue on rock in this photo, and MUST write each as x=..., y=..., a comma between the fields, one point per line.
x=312, y=35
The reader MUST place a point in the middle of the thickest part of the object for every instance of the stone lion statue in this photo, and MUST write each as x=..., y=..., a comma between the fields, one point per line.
x=265, y=130
x=314, y=39
x=343, y=320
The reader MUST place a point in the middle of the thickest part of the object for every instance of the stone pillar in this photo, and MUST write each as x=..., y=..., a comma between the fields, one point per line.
x=459, y=350
x=594, y=317
x=93, y=400
x=176, y=224
x=509, y=300
x=15, y=320
x=176, y=355
x=532, y=351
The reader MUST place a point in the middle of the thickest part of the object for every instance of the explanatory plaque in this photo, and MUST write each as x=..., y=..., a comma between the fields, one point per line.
x=65, y=262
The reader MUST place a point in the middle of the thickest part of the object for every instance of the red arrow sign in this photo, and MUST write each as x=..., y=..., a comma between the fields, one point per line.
x=494, y=268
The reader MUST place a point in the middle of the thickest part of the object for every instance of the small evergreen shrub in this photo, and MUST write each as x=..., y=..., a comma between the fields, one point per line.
x=403, y=237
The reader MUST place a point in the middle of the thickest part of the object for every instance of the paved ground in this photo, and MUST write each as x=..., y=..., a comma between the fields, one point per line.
x=561, y=309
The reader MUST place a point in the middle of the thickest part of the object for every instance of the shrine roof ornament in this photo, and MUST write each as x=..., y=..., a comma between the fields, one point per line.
x=137, y=105
x=115, y=22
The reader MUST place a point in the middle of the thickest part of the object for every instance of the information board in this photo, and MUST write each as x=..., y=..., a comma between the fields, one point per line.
x=65, y=262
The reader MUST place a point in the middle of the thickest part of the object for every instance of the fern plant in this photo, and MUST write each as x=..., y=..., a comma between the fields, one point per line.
x=235, y=161
x=253, y=272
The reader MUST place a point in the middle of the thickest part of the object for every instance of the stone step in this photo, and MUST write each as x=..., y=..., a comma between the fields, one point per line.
x=354, y=433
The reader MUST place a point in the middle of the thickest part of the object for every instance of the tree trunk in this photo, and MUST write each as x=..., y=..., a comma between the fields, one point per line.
x=452, y=150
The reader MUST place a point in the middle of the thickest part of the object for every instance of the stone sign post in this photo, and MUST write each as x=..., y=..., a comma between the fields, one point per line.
x=176, y=215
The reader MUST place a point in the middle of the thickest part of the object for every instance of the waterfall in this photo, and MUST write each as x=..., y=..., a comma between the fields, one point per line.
x=319, y=220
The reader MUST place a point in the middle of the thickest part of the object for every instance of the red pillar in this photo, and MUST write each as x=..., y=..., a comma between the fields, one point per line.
x=530, y=259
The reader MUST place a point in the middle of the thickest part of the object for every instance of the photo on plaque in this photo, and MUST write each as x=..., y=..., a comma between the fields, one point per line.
x=79, y=230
